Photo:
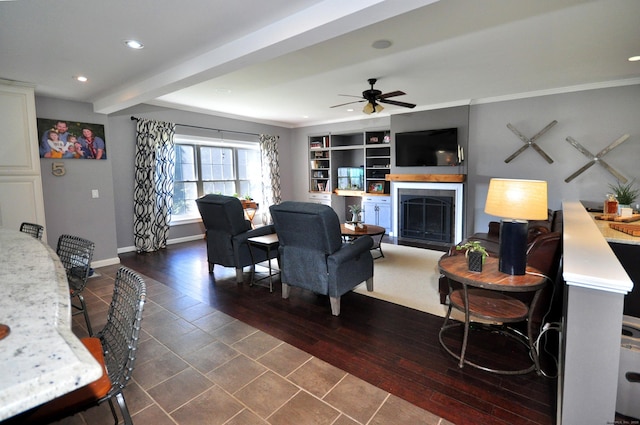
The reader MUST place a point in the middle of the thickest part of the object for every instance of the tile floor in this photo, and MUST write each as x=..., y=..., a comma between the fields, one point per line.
x=197, y=365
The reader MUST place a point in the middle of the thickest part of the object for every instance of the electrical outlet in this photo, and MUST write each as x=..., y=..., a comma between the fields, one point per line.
x=95, y=194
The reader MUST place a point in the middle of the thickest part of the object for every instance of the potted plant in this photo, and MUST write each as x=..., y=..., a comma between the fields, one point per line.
x=625, y=193
x=355, y=211
x=476, y=255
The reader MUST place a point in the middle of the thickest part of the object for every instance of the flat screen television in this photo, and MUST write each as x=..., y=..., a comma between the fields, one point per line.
x=427, y=148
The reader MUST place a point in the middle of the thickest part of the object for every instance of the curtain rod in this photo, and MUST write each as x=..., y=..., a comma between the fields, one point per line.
x=208, y=128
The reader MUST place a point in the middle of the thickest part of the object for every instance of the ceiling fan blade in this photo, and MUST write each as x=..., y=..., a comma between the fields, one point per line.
x=350, y=95
x=348, y=103
x=395, y=102
x=390, y=94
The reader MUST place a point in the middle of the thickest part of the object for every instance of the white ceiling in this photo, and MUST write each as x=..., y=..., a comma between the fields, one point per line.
x=286, y=62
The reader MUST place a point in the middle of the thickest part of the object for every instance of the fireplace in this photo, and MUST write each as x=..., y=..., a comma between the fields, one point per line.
x=428, y=212
x=426, y=217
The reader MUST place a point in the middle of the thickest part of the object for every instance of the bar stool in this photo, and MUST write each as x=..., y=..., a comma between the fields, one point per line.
x=114, y=347
x=75, y=254
x=32, y=229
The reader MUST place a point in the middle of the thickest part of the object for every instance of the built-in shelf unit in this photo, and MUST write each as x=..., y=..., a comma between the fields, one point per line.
x=329, y=153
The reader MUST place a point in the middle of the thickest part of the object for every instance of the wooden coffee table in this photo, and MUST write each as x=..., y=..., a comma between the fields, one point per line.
x=376, y=233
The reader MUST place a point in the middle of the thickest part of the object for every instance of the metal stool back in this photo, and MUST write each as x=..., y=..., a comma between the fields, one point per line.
x=114, y=347
x=120, y=336
x=33, y=229
x=75, y=254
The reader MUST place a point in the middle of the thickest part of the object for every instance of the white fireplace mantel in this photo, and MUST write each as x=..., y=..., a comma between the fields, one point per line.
x=458, y=188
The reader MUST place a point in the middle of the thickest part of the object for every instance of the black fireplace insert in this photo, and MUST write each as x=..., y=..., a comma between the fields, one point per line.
x=426, y=218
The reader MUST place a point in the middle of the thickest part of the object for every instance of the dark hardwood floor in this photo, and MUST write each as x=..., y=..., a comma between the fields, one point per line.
x=392, y=347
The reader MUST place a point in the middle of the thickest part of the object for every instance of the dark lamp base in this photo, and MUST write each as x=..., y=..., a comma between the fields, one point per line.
x=513, y=247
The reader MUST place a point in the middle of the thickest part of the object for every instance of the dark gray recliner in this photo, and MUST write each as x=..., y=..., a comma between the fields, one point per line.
x=227, y=231
x=313, y=255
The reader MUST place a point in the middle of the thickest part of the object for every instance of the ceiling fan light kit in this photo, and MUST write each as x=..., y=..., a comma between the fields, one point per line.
x=370, y=108
x=374, y=97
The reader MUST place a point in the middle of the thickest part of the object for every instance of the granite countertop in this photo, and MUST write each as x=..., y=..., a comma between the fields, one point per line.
x=616, y=236
x=41, y=358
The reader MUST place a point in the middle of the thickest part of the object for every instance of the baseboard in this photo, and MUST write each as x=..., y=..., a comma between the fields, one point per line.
x=106, y=262
x=169, y=242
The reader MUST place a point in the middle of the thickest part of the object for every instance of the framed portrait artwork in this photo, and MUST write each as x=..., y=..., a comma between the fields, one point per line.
x=376, y=187
x=71, y=139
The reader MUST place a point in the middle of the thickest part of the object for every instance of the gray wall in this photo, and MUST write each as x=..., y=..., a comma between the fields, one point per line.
x=594, y=118
x=108, y=220
x=123, y=128
x=69, y=207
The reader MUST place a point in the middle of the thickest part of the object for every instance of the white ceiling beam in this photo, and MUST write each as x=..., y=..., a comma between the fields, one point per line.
x=325, y=20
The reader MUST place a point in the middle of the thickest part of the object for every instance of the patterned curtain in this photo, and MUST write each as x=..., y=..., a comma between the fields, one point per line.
x=270, y=174
x=153, y=190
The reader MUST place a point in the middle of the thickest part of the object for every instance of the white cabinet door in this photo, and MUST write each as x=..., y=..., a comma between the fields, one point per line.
x=21, y=197
x=370, y=213
x=377, y=210
x=384, y=216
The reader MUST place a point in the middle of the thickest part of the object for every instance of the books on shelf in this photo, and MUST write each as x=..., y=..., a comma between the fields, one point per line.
x=320, y=142
x=321, y=186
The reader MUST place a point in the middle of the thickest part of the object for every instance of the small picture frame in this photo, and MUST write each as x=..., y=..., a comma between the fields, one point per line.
x=376, y=187
x=321, y=186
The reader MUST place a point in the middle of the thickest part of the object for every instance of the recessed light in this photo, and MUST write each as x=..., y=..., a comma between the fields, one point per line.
x=133, y=44
x=381, y=44
x=81, y=78
x=350, y=110
x=634, y=59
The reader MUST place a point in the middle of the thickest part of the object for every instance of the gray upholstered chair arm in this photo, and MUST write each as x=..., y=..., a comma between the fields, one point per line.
x=352, y=249
x=259, y=231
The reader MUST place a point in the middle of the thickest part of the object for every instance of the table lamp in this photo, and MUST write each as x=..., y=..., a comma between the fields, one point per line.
x=516, y=201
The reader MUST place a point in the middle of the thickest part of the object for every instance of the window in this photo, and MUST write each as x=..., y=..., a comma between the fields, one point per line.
x=206, y=166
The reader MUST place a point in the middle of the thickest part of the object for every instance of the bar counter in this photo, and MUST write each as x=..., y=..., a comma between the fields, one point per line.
x=40, y=358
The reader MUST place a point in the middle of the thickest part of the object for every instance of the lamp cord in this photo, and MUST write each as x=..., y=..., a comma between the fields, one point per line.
x=546, y=327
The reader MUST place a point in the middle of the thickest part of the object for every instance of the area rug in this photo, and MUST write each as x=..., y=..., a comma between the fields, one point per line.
x=407, y=276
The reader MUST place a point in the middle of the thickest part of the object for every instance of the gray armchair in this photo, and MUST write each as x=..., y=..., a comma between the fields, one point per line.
x=313, y=255
x=227, y=231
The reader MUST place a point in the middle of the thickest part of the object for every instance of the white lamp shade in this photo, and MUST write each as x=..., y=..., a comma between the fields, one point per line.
x=517, y=199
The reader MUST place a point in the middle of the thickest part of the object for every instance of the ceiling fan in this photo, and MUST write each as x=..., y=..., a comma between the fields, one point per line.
x=373, y=97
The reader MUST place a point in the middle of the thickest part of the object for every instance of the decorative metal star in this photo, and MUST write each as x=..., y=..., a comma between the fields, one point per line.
x=531, y=142
x=597, y=158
